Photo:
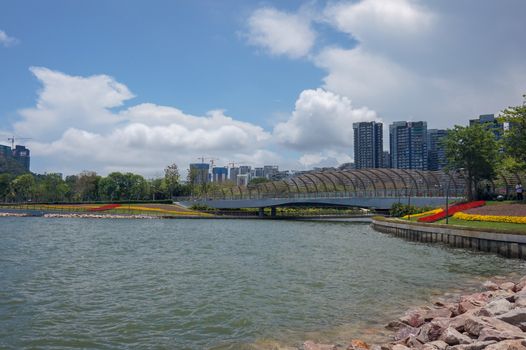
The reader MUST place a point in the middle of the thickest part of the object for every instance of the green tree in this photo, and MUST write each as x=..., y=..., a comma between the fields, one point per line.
x=87, y=186
x=51, y=188
x=515, y=137
x=23, y=187
x=158, y=189
x=473, y=149
x=171, y=177
x=5, y=181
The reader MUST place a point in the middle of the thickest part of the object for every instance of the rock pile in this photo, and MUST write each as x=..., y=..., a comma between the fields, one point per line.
x=494, y=320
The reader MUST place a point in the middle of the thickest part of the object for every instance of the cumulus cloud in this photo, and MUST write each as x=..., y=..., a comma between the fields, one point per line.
x=441, y=61
x=7, y=40
x=370, y=20
x=71, y=102
x=75, y=126
x=321, y=120
x=280, y=33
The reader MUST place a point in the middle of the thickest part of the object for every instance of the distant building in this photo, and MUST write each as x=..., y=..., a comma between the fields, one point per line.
x=490, y=123
x=22, y=155
x=408, y=145
x=368, y=145
x=244, y=169
x=269, y=171
x=233, y=173
x=219, y=174
x=243, y=179
x=258, y=172
x=199, y=173
x=386, y=159
x=436, y=150
x=6, y=151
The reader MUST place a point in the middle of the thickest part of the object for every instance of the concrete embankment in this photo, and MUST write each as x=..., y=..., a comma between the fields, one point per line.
x=510, y=245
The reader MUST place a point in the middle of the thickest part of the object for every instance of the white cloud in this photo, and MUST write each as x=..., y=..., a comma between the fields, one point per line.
x=74, y=128
x=71, y=102
x=280, y=33
x=7, y=40
x=431, y=60
x=440, y=61
x=321, y=120
x=369, y=20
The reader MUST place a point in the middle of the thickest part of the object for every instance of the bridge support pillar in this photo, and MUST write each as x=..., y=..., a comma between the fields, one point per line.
x=273, y=211
x=261, y=212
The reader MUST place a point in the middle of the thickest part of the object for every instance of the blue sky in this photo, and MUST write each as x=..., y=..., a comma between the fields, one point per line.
x=136, y=85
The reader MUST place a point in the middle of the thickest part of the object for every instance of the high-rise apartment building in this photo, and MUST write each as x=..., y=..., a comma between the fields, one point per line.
x=368, y=145
x=6, y=151
x=258, y=172
x=233, y=173
x=270, y=170
x=408, y=145
x=490, y=123
x=22, y=155
x=436, y=150
x=199, y=173
x=219, y=174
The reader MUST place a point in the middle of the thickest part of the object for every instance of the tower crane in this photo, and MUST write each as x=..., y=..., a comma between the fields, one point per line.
x=14, y=138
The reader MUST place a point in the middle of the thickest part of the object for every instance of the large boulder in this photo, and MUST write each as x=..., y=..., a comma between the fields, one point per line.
x=507, y=286
x=520, y=285
x=414, y=318
x=487, y=333
x=498, y=307
x=453, y=337
x=406, y=332
x=520, y=301
x=436, y=313
x=400, y=347
x=490, y=285
x=515, y=316
x=431, y=331
x=438, y=344
x=474, y=325
x=477, y=345
x=508, y=345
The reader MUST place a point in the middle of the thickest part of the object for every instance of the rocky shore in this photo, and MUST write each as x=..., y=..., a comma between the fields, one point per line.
x=494, y=319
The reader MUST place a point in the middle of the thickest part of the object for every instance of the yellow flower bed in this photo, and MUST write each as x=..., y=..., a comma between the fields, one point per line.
x=426, y=213
x=163, y=211
x=491, y=218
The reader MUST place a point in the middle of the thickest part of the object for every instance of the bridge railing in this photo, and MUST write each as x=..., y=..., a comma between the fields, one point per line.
x=388, y=193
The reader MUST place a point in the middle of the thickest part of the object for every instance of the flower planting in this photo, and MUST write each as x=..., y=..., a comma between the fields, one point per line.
x=426, y=213
x=452, y=210
x=491, y=218
x=105, y=207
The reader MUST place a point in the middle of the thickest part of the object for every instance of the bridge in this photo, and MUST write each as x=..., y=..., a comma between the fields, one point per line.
x=364, y=188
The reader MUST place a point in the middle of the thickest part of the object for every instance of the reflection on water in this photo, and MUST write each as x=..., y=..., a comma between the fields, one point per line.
x=187, y=284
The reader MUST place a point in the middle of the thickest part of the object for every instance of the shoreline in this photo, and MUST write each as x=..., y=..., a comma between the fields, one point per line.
x=493, y=318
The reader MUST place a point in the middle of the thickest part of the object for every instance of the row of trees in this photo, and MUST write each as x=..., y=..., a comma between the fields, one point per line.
x=476, y=151
x=88, y=186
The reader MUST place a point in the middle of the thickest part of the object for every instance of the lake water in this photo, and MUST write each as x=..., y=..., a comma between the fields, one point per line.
x=220, y=284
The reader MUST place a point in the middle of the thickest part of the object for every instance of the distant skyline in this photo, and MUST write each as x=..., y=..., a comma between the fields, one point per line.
x=134, y=86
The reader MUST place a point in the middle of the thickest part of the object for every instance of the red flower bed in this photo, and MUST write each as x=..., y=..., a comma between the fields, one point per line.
x=105, y=207
x=452, y=210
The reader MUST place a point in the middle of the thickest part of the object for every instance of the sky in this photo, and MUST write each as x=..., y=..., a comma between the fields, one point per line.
x=123, y=85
